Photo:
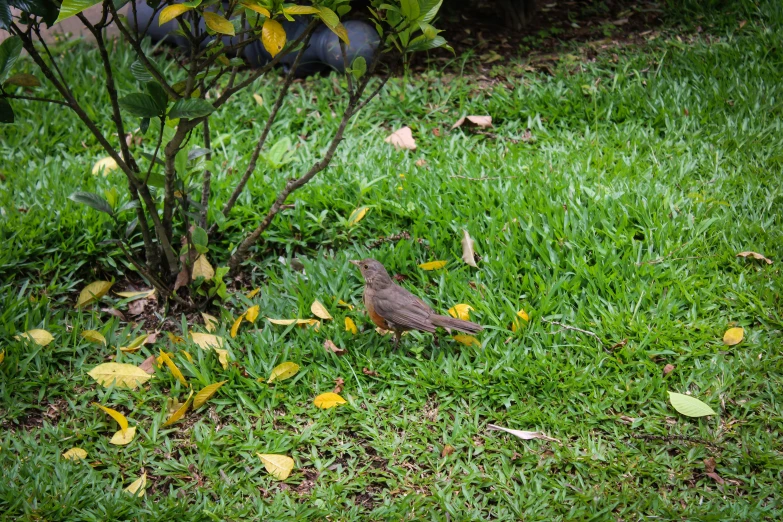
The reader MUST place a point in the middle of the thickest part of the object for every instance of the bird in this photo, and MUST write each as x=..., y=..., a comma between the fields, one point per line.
x=392, y=307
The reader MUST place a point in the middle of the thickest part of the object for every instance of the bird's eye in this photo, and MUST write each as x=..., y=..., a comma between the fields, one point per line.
x=366, y=267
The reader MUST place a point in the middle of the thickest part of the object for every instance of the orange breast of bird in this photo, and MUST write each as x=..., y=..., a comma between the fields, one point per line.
x=379, y=321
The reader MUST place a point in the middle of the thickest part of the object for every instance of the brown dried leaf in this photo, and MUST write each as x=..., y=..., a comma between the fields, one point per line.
x=116, y=313
x=137, y=307
x=525, y=435
x=370, y=373
x=709, y=464
x=331, y=347
x=182, y=279
x=468, y=255
x=481, y=122
x=421, y=162
x=669, y=368
x=448, y=449
x=402, y=139
x=755, y=255
x=148, y=365
x=338, y=385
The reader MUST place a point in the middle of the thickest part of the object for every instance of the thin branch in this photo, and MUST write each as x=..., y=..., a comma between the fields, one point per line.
x=151, y=250
x=348, y=75
x=670, y=438
x=206, y=184
x=33, y=98
x=575, y=329
x=36, y=27
x=154, y=281
x=375, y=92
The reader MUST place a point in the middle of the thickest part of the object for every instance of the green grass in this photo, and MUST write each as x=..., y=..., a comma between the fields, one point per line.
x=622, y=216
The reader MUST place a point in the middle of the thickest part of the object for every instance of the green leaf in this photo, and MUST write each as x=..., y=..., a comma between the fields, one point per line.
x=689, y=406
x=134, y=203
x=199, y=237
x=410, y=9
x=5, y=15
x=191, y=108
x=45, y=9
x=140, y=72
x=6, y=111
x=140, y=104
x=23, y=80
x=92, y=200
x=71, y=8
x=421, y=43
x=359, y=67
x=9, y=52
x=158, y=95
x=429, y=9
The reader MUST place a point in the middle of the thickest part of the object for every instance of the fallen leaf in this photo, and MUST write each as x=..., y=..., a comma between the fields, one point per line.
x=344, y=304
x=448, y=449
x=526, y=435
x=436, y=132
x=39, y=337
x=206, y=341
x=473, y=121
x=286, y=322
x=235, y=326
x=357, y=215
x=421, y=162
x=148, y=365
x=137, y=307
x=350, y=326
x=252, y=313
x=402, y=139
x=669, y=368
x=253, y=293
x=742, y=23
x=94, y=336
x=175, y=339
x=104, y=165
x=206, y=393
x=331, y=347
x=516, y=324
x=142, y=293
x=75, y=454
x=124, y=375
x=177, y=415
x=138, y=486
x=467, y=340
x=135, y=345
x=182, y=279
x=279, y=466
x=283, y=371
x=468, y=255
x=733, y=336
x=173, y=368
x=93, y=292
x=461, y=311
x=259, y=100
x=121, y=438
x=433, y=265
x=689, y=406
x=320, y=311
x=186, y=355
x=202, y=268
x=2, y=356
x=338, y=385
x=370, y=373
x=709, y=464
x=116, y=313
x=527, y=135
x=210, y=322
x=222, y=357
x=117, y=416
x=328, y=400
x=755, y=255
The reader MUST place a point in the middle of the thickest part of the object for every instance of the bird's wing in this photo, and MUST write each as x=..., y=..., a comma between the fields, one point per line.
x=400, y=307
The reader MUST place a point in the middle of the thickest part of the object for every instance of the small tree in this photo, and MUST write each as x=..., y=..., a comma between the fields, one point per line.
x=163, y=208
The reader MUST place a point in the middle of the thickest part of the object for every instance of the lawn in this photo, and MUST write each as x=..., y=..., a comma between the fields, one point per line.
x=647, y=168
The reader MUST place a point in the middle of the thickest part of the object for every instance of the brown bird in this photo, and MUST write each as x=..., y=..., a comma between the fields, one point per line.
x=391, y=307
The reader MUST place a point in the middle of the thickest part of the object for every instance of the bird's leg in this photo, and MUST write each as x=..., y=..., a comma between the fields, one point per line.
x=396, y=339
x=435, y=340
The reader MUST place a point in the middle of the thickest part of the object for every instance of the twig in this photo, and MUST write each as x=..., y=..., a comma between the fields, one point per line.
x=662, y=259
x=575, y=329
x=206, y=183
x=33, y=98
x=483, y=178
x=670, y=438
x=348, y=75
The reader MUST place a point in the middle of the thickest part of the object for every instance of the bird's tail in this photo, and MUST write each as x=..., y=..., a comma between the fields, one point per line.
x=451, y=323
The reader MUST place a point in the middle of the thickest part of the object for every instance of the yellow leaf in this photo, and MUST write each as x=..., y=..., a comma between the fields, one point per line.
x=350, y=326
x=2, y=356
x=142, y=294
x=171, y=12
x=75, y=454
x=121, y=438
x=210, y=322
x=257, y=8
x=344, y=304
x=177, y=415
x=138, y=486
x=206, y=341
x=328, y=400
x=94, y=336
x=124, y=375
x=135, y=345
x=93, y=292
x=279, y=466
x=357, y=215
x=175, y=339
x=104, y=165
x=273, y=36
x=461, y=311
x=205, y=394
x=254, y=292
x=283, y=371
x=320, y=311
x=40, y=337
x=516, y=324
x=286, y=322
x=433, y=265
x=252, y=314
x=119, y=417
x=202, y=268
x=259, y=100
x=733, y=336
x=332, y=21
x=217, y=23
x=235, y=326
x=467, y=340
x=173, y=367
x=222, y=357
x=300, y=10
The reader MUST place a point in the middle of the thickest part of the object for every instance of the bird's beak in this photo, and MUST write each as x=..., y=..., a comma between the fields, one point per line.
x=355, y=262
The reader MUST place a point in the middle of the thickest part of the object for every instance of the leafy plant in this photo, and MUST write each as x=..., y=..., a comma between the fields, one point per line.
x=169, y=195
